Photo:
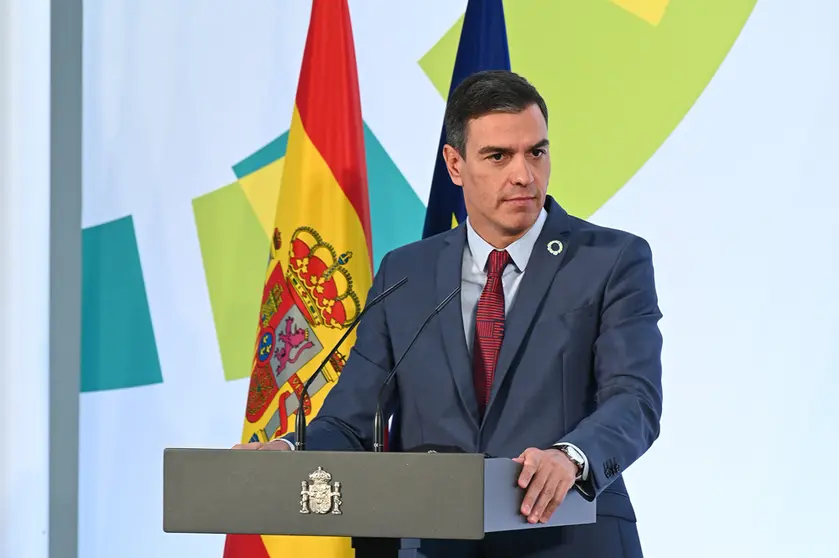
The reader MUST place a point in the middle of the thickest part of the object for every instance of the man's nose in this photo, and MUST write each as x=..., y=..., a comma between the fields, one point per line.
x=521, y=171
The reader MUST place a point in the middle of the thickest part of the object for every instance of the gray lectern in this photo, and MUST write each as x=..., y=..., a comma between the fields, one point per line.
x=385, y=501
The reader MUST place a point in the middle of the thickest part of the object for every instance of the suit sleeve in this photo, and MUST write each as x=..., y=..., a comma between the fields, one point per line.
x=627, y=369
x=345, y=420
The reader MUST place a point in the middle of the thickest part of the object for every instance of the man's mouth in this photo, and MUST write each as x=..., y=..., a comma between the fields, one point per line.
x=520, y=199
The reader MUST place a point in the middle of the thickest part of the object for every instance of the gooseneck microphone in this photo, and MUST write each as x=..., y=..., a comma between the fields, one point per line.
x=378, y=420
x=300, y=423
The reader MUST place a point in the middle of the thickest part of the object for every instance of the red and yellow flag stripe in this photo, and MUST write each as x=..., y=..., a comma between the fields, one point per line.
x=321, y=259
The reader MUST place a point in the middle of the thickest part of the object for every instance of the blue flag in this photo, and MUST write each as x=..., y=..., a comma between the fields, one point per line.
x=483, y=46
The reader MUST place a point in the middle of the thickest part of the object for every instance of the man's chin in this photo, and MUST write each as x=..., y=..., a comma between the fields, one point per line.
x=522, y=213
x=520, y=224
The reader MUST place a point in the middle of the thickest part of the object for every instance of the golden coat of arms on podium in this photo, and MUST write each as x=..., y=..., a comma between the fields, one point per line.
x=319, y=497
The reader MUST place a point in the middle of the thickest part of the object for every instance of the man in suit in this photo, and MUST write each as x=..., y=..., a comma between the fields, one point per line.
x=551, y=355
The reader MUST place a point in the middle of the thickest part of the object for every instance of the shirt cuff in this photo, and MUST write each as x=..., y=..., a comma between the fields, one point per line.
x=290, y=445
x=584, y=475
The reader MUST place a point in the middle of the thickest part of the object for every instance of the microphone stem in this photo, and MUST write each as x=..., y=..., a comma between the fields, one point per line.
x=378, y=420
x=300, y=425
x=378, y=430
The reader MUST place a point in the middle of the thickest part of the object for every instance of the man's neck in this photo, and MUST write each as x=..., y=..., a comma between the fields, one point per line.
x=499, y=241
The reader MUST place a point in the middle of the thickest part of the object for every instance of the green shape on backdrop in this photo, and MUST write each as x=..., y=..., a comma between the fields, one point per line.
x=615, y=85
x=438, y=63
x=234, y=249
x=118, y=346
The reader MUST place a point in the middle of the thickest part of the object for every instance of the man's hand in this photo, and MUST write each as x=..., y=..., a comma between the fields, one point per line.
x=276, y=445
x=547, y=475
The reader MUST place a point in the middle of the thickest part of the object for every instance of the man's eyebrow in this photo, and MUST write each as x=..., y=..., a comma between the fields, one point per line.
x=487, y=149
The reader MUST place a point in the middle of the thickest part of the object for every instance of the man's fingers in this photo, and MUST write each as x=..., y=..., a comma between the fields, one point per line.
x=527, y=472
x=248, y=446
x=559, y=495
x=545, y=497
x=537, y=483
x=276, y=445
x=530, y=463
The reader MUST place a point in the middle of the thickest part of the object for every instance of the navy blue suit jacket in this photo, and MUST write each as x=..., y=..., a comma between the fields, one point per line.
x=580, y=361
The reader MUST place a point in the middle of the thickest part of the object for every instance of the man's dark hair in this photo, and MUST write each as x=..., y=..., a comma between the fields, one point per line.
x=484, y=93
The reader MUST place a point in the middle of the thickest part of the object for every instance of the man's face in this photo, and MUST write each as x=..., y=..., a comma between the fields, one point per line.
x=504, y=173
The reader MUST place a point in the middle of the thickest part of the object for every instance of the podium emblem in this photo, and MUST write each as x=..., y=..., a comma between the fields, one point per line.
x=318, y=496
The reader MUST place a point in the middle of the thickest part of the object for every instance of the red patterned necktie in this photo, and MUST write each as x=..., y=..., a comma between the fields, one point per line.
x=489, y=328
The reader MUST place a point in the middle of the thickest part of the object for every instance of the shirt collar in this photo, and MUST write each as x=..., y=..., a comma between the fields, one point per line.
x=519, y=250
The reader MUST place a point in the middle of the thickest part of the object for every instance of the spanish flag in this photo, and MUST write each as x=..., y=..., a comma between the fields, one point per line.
x=320, y=264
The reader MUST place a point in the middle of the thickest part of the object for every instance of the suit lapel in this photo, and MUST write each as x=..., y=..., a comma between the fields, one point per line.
x=540, y=273
x=454, y=337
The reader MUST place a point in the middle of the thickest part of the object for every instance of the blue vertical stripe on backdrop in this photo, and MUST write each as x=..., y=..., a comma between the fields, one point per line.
x=482, y=46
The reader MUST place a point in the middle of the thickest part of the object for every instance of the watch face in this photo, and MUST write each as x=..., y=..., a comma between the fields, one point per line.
x=573, y=455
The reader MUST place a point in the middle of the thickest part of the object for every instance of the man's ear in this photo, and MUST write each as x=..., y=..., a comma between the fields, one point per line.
x=453, y=162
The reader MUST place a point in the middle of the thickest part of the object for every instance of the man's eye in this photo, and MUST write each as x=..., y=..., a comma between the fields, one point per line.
x=496, y=156
x=538, y=152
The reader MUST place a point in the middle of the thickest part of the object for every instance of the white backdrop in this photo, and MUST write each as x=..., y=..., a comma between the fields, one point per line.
x=24, y=277
x=737, y=204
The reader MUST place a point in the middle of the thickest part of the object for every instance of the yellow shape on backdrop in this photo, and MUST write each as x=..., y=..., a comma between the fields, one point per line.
x=262, y=188
x=650, y=11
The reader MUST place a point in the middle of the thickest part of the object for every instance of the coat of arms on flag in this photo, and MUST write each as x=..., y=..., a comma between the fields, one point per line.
x=316, y=291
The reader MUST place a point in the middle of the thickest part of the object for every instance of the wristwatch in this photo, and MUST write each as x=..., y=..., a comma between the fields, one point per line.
x=575, y=456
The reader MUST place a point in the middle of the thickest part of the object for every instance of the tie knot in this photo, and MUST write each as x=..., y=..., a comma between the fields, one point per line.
x=498, y=260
